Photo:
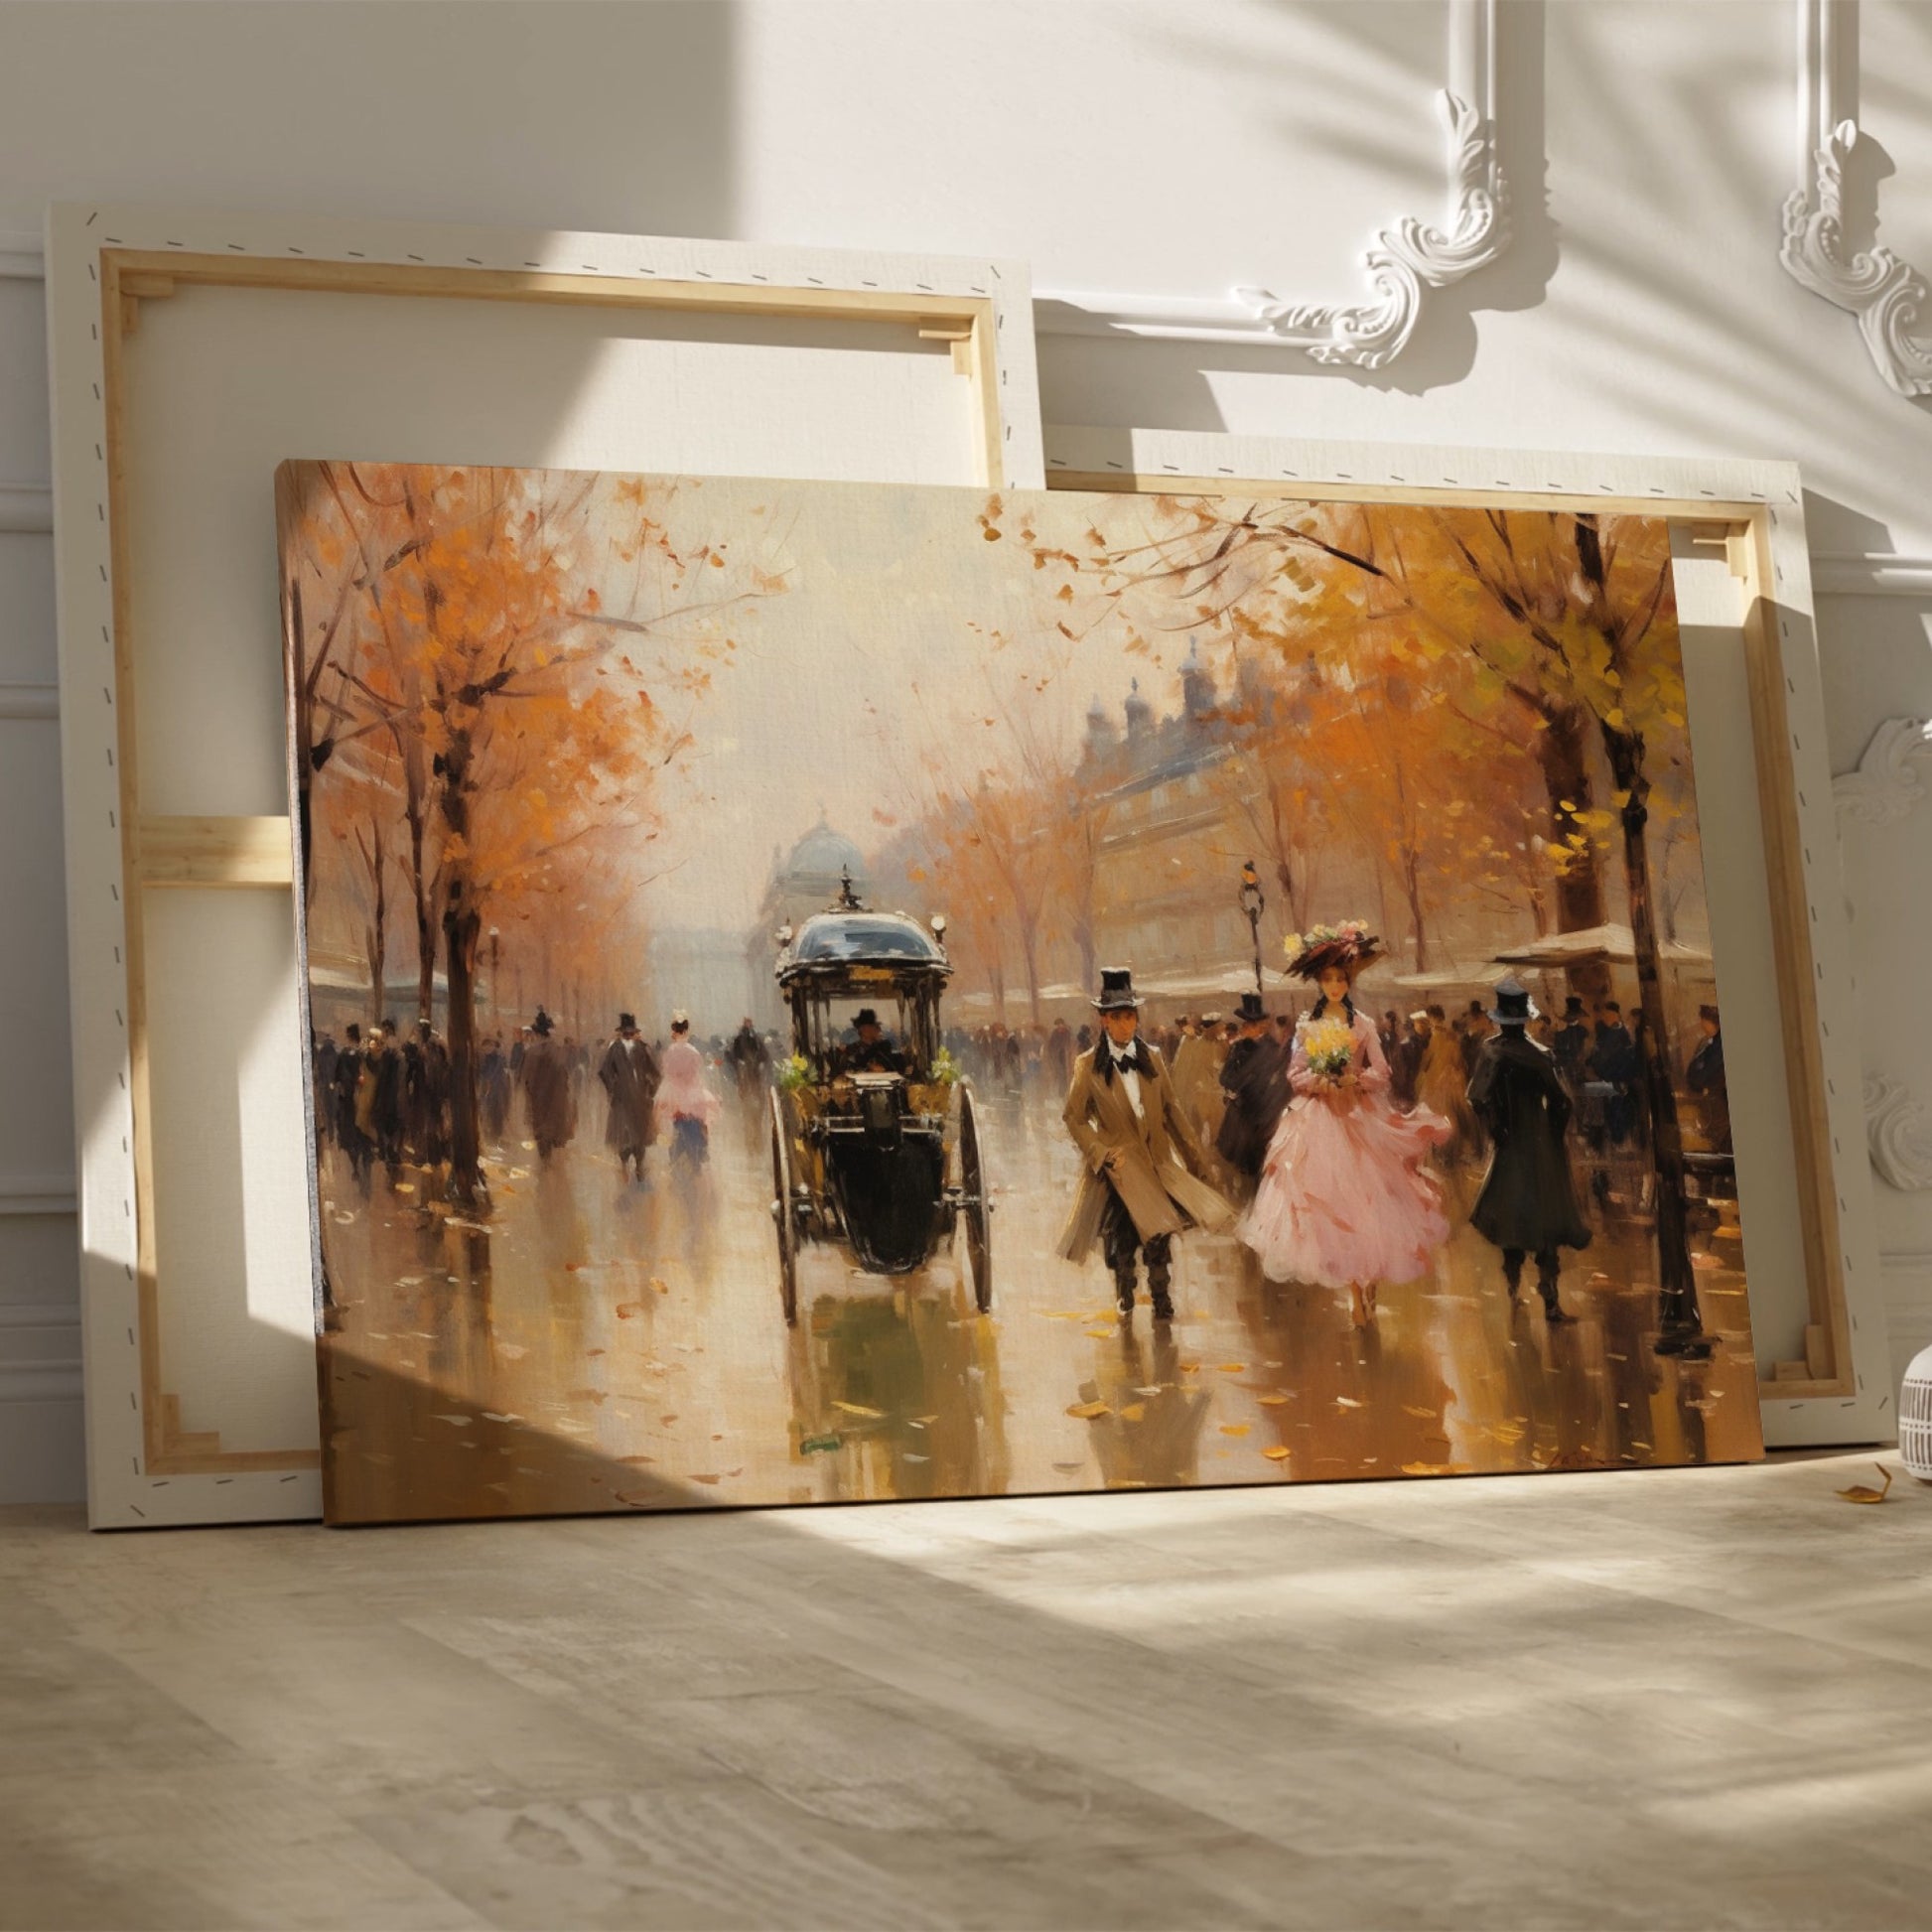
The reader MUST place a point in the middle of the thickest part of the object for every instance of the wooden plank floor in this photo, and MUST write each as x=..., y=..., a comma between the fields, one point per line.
x=1697, y=1698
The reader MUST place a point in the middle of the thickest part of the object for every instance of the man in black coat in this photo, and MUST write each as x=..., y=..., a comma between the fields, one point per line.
x=871, y=1051
x=344, y=1078
x=1528, y=1205
x=1254, y=1089
x=1613, y=1061
x=1571, y=1044
x=1705, y=1076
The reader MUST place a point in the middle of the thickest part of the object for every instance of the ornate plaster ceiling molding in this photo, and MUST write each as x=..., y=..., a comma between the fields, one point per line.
x=1405, y=262
x=1886, y=784
x=1887, y=295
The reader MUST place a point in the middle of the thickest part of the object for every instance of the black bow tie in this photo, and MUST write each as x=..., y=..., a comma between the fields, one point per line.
x=1135, y=1060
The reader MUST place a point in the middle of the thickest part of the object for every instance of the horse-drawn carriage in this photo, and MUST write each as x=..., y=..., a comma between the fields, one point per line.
x=875, y=1143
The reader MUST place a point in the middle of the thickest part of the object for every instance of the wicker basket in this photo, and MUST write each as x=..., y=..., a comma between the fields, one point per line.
x=1915, y=1417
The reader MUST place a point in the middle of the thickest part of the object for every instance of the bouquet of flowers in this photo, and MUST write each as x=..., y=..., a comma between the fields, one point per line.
x=945, y=1069
x=793, y=1073
x=1329, y=1047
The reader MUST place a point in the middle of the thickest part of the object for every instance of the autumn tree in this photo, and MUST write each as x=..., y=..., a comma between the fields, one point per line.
x=1565, y=618
x=489, y=654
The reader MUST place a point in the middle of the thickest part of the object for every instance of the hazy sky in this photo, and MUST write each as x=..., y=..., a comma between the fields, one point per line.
x=863, y=681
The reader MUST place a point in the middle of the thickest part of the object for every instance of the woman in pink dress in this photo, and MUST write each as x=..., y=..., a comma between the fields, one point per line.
x=685, y=1105
x=1345, y=1200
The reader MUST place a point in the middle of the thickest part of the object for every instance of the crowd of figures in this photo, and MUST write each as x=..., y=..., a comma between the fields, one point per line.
x=1432, y=1056
x=1328, y=1140
x=383, y=1096
x=1325, y=1139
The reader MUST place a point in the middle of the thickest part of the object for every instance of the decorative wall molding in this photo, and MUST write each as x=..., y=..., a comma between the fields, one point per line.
x=30, y=701
x=1887, y=295
x=37, y=1193
x=1898, y=1131
x=1886, y=784
x=1405, y=262
x=40, y=1351
x=26, y=508
x=21, y=257
x=1870, y=573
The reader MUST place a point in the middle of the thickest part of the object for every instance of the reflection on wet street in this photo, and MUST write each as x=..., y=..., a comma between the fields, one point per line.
x=597, y=1345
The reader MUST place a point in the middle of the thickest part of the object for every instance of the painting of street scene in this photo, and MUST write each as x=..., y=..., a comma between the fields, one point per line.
x=823, y=993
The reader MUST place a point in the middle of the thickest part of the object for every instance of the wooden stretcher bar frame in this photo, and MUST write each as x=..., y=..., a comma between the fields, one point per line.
x=103, y=263
x=1840, y=1392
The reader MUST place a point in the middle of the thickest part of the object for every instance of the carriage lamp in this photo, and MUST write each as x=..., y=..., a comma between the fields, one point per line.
x=1251, y=903
x=938, y=926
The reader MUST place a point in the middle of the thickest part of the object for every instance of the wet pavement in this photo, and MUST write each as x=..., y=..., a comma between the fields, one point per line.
x=598, y=1345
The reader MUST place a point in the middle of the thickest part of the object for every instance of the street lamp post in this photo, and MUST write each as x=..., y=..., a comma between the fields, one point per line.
x=495, y=998
x=1251, y=903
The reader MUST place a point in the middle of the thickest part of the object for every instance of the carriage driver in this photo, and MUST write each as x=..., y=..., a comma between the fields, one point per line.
x=873, y=1051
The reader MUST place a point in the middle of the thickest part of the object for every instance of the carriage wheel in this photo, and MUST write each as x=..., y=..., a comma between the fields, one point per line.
x=782, y=1216
x=977, y=1210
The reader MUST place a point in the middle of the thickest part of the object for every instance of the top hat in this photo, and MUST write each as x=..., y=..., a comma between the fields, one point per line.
x=864, y=1017
x=542, y=1023
x=1117, y=992
x=627, y=1022
x=1514, y=1007
x=1572, y=1006
x=1250, y=1009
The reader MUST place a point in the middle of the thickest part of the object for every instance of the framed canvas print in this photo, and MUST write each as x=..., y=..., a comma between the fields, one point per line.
x=191, y=351
x=1778, y=918
x=829, y=992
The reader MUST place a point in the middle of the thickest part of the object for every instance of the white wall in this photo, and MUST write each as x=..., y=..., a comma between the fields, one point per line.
x=1119, y=145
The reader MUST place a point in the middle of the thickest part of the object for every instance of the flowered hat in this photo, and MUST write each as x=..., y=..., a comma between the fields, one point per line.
x=1350, y=945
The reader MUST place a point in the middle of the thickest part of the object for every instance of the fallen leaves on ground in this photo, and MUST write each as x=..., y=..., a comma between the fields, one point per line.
x=1234, y=1428
x=1276, y=1453
x=859, y=1409
x=1087, y=1411
x=1862, y=1492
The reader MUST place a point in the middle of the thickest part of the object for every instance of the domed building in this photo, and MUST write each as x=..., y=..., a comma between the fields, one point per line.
x=804, y=881
x=814, y=868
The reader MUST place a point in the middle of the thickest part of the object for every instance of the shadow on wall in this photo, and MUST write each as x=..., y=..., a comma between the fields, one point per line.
x=1350, y=49
x=622, y=116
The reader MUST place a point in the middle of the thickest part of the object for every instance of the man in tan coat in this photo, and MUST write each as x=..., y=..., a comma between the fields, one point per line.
x=1143, y=1160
